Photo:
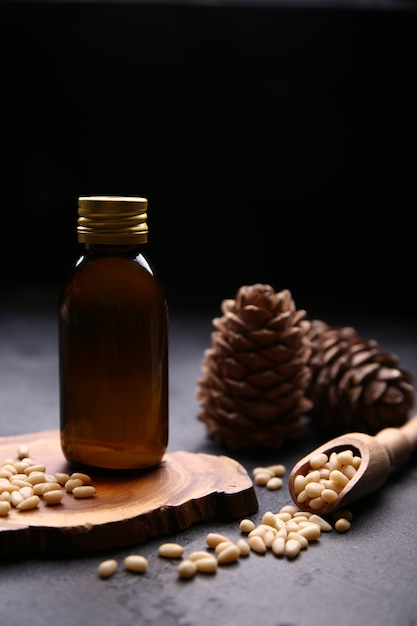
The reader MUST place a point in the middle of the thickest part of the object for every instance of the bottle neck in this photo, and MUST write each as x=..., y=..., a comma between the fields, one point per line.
x=128, y=250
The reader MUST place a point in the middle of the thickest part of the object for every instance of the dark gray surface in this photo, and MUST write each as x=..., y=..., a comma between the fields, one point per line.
x=365, y=577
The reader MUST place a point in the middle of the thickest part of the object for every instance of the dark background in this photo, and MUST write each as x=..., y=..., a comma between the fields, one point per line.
x=275, y=144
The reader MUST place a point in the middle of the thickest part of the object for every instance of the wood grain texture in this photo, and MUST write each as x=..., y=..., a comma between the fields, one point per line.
x=129, y=507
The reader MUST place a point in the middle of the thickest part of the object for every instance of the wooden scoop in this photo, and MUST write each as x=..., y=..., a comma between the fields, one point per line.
x=389, y=448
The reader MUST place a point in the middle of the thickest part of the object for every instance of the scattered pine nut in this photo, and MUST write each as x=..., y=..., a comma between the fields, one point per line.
x=4, y=507
x=85, y=478
x=84, y=491
x=22, y=451
x=243, y=546
x=257, y=544
x=229, y=554
x=292, y=548
x=171, y=550
x=246, y=525
x=274, y=483
x=198, y=554
x=61, y=478
x=212, y=539
x=342, y=525
x=136, y=563
x=53, y=497
x=72, y=483
x=186, y=569
x=107, y=568
x=28, y=503
x=222, y=546
x=207, y=565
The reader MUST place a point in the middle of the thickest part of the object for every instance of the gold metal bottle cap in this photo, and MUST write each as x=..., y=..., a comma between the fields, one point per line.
x=112, y=219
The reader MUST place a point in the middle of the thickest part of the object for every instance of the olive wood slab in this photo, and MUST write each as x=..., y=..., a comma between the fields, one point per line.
x=129, y=507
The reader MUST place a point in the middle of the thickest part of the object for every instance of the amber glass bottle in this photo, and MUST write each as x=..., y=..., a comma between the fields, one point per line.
x=113, y=342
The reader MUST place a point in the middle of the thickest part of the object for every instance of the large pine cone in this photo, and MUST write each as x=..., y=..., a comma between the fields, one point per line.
x=355, y=386
x=254, y=377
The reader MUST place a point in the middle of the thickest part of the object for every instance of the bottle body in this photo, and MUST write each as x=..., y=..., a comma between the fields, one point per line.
x=113, y=356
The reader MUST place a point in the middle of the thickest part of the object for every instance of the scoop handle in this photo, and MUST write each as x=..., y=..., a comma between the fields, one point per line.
x=399, y=442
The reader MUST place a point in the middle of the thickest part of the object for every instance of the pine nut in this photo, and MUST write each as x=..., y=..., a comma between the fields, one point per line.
x=349, y=471
x=222, y=545
x=274, y=483
x=61, y=478
x=269, y=519
x=243, y=546
x=316, y=503
x=342, y=525
x=26, y=492
x=292, y=548
x=72, y=483
x=16, y=498
x=198, y=554
x=136, y=563
x=85, y=491
x=318, y=460
x=299, y=483
x=4, y=507
x=29, y=503
x=246, y=525
x=229, y=554
x=313, y=489
x=310, y=532
x=107, y=568
x=53, y=497
x=338, y=477
x=45, y=487
x=212, y=539
x=39, y=467
x=278, y=546
x=207, y=565
x=186, y=569
x=85, y=478
x=171, y=550
x=329, y=495
x=303, y=541
x=269, y=537
x=22, y=451
x=257, y=544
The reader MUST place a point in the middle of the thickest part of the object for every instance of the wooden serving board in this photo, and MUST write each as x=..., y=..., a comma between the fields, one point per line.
x=129, y=507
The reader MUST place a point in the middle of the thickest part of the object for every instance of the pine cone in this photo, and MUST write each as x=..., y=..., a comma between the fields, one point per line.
x=254, y=377
x=355, y=386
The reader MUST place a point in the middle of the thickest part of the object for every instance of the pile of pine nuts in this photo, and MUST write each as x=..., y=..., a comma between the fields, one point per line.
x=24, y=484
x=284, y=534
x=327, y=476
